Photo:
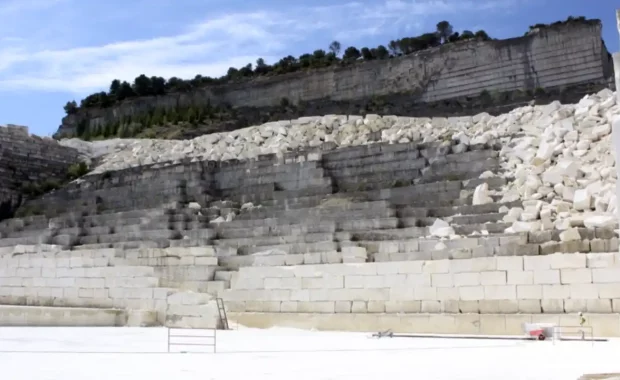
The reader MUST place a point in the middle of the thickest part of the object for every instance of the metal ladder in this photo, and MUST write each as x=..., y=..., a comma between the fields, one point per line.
x=222, y=312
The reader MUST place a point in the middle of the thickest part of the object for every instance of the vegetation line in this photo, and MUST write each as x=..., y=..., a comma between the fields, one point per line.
x=152, y=86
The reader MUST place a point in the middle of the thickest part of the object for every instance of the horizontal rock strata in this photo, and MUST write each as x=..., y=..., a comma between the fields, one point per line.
x=339, y=214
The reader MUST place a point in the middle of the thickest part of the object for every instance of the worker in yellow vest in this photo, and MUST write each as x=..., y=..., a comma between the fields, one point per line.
x=582, y=321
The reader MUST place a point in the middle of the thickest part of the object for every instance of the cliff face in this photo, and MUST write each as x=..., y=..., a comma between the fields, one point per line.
x=28, y=160
x=561, y=56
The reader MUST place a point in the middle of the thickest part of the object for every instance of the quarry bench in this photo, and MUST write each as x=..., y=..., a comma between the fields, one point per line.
x=338, y=207
x=441, y=212
x=293, y=174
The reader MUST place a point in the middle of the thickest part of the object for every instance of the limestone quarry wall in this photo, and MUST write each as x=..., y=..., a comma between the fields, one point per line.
x=493, y=295
x=26, y=158
x=11, y=315
x=555, y=57
x=557, y=283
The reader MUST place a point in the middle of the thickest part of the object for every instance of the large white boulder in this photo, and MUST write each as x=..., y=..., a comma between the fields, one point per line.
x=582, y=200
x=441, y=228
x=600, y=221
x=481, y=195
x=570, y=234
x=532, y=226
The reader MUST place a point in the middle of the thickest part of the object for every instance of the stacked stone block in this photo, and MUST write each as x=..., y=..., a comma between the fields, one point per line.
x=49, y=276
x=558, y=283
x=130, y=189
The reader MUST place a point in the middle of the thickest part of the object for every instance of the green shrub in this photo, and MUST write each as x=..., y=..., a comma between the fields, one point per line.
x=32, y=189
x=77, y=170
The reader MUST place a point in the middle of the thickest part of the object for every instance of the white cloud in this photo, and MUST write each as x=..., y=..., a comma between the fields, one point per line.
x=209, y=46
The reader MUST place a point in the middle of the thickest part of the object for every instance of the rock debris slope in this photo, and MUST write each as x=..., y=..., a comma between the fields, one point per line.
x=558, y=158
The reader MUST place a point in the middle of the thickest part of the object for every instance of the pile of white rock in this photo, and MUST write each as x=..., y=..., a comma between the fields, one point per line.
x=563, y=165
x=559, y=156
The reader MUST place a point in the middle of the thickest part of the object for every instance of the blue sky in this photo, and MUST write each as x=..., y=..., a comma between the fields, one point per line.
x=52, y=51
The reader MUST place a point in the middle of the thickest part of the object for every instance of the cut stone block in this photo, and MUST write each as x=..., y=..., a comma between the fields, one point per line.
x=520, y=278
x=576, y=276
x=529, y=306
x=582, y=200
x=550, y=276
x=557, y=292
x=529, y=292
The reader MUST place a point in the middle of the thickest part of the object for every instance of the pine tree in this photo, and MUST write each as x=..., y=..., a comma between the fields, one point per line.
x=172, y=116
x=157, y=118
x=190, y=115
x=123, y=131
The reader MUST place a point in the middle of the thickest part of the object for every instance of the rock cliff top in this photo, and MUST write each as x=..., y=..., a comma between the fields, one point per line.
x=478, y=74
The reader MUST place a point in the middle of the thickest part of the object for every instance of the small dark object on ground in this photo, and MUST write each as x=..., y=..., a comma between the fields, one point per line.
x=383, y=334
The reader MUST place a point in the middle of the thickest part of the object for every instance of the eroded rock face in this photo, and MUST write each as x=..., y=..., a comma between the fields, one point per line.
x=558, y=158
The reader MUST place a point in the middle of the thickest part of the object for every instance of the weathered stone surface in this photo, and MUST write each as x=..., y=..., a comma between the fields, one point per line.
x=29, y=160
x=557, y=57
x=508, y=214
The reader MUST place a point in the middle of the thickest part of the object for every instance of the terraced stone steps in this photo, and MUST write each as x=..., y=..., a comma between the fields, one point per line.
x=152, y=228
x=451, y=211
x=74, y=219
x=355, y=152
x=214, y=287
x=123, y=245
x=272, y=192
x=117, y=198
x=344, y=208
x=276, y=230
x=294, y=203
x=364, y=170
x=436, y=194
x=280, y=181
x=312, y=225
x=269, y=170
x=287, y=177
x=471, y=229
x=334, y=161
x=386, y=222
x=401, y=244
x=291, y=248
x=296, y=220
x=275, y=240
x=233, y=263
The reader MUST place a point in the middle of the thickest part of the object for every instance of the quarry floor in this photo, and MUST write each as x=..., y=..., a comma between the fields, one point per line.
x=141, y=353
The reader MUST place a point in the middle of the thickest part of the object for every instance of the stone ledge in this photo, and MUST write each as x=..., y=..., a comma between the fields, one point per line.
x=601, y=376
x=60, y=316
x=604, y=325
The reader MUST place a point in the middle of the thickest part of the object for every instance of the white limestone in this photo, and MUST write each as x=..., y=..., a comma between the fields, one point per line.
x=561, y=165
x=556, y=153
x=481, y=195
x=582, y=200
x=570, y=234
x=99, y=279
x=441, y=228
x=559, y=282
x=599, y=221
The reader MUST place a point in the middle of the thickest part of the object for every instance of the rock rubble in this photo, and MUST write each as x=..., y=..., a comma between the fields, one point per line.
x=558, y=158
